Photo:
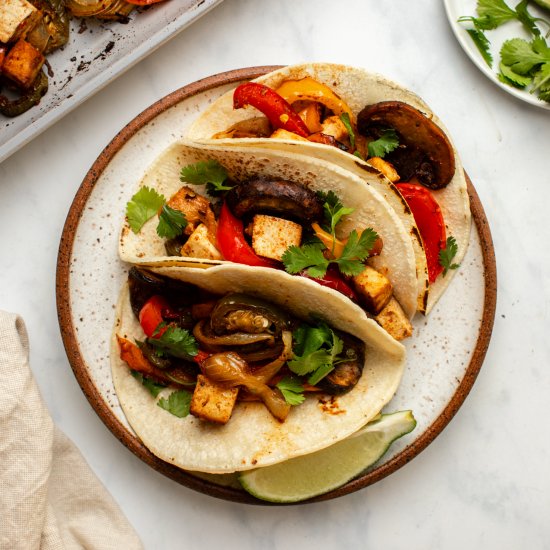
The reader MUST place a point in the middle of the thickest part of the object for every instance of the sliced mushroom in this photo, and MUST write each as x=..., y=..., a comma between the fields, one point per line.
x=424, y=150
x=276, y=197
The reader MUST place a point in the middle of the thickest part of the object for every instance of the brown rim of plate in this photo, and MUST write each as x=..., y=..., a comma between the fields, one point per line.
x=80, y=370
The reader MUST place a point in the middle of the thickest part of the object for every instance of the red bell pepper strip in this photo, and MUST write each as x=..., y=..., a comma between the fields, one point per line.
x=151, y=315
x=201, y=356
x=232, y=244
x=272, y=105
x=430, y=223
x=334, y=280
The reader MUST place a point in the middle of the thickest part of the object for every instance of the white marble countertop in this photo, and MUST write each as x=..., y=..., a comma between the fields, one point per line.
x=484, y=482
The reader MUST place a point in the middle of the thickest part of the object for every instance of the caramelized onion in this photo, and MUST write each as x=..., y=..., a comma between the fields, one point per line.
x=203, y=336
x=230, y=369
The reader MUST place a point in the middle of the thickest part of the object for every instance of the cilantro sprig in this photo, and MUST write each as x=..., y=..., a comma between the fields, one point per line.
x=174, y=341
x=317, y=350
x=524, y=63
x=310, y=257
x=154, y=388
x=147, y=203
x=385, y=144
x=447, y=254
x=344, y=117
x=292, y=390
x=178, y=403
x=210, y=173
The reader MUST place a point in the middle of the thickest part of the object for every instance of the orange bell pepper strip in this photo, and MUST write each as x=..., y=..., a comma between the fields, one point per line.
x=308, y=89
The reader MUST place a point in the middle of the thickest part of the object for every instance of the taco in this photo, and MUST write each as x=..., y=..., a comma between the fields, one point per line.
x=372, y=127
x=241, y=361
x=279, y=211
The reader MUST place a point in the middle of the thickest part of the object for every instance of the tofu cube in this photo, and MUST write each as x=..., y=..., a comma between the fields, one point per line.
x=22, y=64
x=16, y=16
x=272, y=236
x=394, y=321
x=213, y=402
x=198, y=245
x=374, y=289
x=333, y=126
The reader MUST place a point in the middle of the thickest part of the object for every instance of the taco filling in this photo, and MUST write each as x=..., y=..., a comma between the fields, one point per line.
x=392, y=136
x=270, y=222
x=217, y=350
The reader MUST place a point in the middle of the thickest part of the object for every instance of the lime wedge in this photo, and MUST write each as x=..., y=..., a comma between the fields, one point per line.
x=317, y=473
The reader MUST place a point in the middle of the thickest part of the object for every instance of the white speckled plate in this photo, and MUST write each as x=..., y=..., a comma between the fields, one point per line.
x=444, y=356
x=97, y=52
x=512, y=29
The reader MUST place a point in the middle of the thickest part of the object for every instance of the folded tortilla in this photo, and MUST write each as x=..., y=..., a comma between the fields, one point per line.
x=253, y=438
x=357, y=88
x=397, y=260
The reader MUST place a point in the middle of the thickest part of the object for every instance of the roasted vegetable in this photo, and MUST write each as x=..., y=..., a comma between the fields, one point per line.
x=424, y=150
x=28, y=99
x=277, y=197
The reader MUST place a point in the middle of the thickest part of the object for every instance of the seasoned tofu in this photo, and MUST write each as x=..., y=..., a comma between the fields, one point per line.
x=385, y=167
x=272, y=236
x=199, y=245
x=22, y=64
x=285, y=134
x=196, y=208
x=333, y=126
x=16, y=16
x=393, y=319
x=374, y=289
x=213, y=402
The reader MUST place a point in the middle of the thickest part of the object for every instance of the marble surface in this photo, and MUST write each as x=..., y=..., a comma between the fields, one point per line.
x=483, y=483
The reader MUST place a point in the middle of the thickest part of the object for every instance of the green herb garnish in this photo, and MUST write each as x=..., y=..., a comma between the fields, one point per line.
x=174, y=341
x=316, y=352
x=292, y=390
x=210, y=173
x=447, y=254
x=178, y=403
x=385, y=144
x=171, y=222
x=142, y=207
x=344, y=117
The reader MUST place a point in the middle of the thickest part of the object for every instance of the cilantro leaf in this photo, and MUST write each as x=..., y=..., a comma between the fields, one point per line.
x=320, y=373
x=344, y=117
x=447, y=254
x=315, y=352
x=171, y=222
x=292, y=390
x=526, y=19
x=142, y=207
x=333, y=209
x=541, y=80
x=507, y=76
x=385, y=144
x=176, y=342
x=178, y=403
x=356, y=250
x=210, y=173
x=519, y=55
x=154, y=388
x=482, y=44
x=309, y=256
x=496, y=12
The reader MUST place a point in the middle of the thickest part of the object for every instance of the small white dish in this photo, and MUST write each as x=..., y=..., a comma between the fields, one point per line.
x=513, y=29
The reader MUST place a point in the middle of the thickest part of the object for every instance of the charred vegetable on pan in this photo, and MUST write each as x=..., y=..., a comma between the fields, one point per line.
x=32, y=29
x=219, y=350
x=279, y=224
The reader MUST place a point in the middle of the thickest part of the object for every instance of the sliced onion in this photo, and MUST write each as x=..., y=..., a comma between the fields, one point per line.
x=234, y=339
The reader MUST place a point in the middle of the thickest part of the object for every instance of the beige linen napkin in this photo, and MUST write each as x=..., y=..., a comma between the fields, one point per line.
x=49, y=497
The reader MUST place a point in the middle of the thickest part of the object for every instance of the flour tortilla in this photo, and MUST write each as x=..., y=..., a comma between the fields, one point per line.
x=253, y=438
x=357, y=88
x=397, y=259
